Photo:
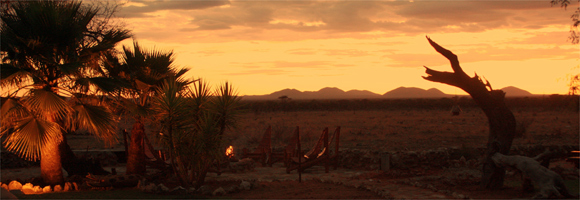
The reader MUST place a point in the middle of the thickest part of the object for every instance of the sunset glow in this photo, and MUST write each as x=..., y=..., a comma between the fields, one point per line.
x=265, y=46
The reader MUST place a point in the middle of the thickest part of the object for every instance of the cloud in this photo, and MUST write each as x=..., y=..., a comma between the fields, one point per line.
x=346, y=52
x=283, y=67
x=480, y=52
x=302, y=51
x=210, y=52
x=258, y=72
x=134, y=9
x=223, y=21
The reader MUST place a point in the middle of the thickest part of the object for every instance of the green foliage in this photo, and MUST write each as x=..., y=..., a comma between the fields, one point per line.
x=192, y=123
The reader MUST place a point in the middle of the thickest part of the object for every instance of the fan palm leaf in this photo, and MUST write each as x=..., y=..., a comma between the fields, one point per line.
x=48, y=103
x=29, y=134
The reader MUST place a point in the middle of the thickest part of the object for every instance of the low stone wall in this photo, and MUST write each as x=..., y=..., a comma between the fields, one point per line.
x=436, y=158
x=358, y=159
x=10, y=160
x=106, y=158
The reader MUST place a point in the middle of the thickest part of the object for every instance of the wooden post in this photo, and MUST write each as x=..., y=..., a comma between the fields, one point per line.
x=299, y=155
x=337, y=139
x=326, y=150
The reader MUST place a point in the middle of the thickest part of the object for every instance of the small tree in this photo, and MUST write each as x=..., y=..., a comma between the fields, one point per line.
x=141, y=72
x=502, y=123
x=193, y=121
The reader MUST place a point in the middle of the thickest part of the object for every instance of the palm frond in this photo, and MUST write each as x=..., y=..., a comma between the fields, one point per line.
x=12, y=110
x=13, y=76
x=47, y=103
x=102, y=84
x=29, y=135
x=97, y=120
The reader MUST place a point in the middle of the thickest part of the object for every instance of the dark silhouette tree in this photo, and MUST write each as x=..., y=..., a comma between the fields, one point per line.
x=574, y=34
x=142, y=72
x=502, y=123
x=50, y=55
x=574, y=84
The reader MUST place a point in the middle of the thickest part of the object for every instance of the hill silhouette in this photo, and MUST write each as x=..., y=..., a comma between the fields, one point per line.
x=398, y=93
x=413, y=92
x=512, y=91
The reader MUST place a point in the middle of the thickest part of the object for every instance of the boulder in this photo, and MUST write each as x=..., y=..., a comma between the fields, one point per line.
x=46, y=189
x=178, y=190
x=162, y=188
x=37, y=189
x=150, y=188
x=57, y=188
x=204, y=190
x=27, y=188
x=245, y=185
x=68, y=187
x=219, y=192
x=5, y=186
x=14, y=185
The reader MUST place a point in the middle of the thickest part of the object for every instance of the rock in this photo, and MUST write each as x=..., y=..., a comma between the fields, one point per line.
x=191, y=190
x=75, y=185
x=57, y=188
x=27, y=188
x=162, y=188
x=232, y=189
x=142, y=184
x=14, y=185
x=68, y=187
x=37, y=189
x=219, y=192
x=5, y=194
x=204, y=190
x=150, y=188
x=46, y=189
x=4, y=186
x=245, y=185
x=178, y=190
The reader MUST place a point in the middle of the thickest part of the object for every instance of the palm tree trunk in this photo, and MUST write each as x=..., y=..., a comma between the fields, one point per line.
x=50, y=162
x=136, y=156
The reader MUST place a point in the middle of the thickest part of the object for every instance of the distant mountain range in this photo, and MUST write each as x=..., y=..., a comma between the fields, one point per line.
x=398, y=93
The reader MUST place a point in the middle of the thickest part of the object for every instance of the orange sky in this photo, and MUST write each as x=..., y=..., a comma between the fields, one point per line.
x=266, y=46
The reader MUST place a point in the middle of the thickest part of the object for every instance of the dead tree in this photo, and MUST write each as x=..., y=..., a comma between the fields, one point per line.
x=548, y=182
x=502, y=123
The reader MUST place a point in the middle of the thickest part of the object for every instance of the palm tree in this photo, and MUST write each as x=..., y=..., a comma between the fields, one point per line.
x=49, y=70
x=143, y=71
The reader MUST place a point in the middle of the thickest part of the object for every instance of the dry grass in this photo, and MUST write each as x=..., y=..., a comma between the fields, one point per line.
x=408, y=130
x=392, y=130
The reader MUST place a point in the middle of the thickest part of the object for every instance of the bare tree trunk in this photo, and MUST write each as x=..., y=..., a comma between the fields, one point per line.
x=502, y=123
x=50, y=162
x=136, y=156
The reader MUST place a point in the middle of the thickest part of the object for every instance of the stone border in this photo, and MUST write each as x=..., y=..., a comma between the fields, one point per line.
x=436, y=158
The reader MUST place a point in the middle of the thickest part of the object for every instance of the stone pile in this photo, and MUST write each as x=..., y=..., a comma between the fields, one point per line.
x=29, y=188
x=435, y=158
x=148, y=187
